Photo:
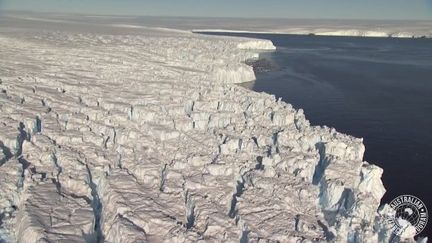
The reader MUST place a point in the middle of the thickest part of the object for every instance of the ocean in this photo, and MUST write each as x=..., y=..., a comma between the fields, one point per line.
x=379, y=89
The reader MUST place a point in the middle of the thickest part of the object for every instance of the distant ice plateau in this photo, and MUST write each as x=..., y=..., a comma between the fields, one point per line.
x=331, y=32
x=114, y=134
x=326, y=27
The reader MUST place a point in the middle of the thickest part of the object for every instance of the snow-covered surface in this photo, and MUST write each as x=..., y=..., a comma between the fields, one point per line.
x=132, y=135
x=370, y=28
x=371, y=32
x=396, y=29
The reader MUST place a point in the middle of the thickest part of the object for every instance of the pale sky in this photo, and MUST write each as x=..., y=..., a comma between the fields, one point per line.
x=336, y=9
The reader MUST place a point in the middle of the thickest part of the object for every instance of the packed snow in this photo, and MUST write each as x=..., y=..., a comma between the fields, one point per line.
x=140, y=135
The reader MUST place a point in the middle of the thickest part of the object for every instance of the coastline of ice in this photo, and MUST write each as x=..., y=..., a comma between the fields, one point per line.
x=329, y=32
x=118, y=137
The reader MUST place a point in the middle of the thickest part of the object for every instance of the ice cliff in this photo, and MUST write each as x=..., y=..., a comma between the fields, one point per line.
x=107, y=136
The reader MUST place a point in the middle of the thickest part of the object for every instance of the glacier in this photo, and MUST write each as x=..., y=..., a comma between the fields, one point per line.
x=118, y=134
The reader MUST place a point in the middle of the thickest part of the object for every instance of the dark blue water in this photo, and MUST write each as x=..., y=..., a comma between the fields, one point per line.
x=379, y=89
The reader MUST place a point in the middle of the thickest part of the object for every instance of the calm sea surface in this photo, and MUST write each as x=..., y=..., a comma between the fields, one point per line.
x=379, y=89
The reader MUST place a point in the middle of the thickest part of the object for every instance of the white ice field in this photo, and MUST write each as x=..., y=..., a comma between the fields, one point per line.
x=115, y=134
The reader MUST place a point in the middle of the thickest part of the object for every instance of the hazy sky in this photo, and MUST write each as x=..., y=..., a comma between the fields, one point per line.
x=357, y=9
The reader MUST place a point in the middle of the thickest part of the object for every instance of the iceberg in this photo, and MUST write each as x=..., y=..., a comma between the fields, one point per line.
x=109, y=135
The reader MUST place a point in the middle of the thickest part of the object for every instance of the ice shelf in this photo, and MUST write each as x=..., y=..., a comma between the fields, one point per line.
x=335, y=31
x=121, y=134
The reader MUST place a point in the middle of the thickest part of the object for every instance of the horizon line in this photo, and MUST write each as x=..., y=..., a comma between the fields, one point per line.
x=89, y=14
